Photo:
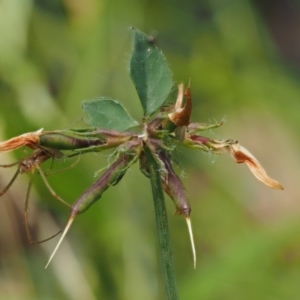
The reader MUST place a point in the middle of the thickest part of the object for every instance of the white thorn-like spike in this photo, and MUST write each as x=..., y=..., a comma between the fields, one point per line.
x=61, y=239
x=189, y=225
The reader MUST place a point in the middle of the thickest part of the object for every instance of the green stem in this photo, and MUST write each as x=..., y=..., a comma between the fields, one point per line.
x=162, y=227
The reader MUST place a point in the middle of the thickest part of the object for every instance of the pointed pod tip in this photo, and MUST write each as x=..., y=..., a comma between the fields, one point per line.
x=61, y=239
x=189, y=225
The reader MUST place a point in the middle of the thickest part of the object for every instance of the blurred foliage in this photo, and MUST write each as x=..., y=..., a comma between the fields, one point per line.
x=56, y=54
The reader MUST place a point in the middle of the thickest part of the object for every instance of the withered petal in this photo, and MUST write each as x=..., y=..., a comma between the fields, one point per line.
x=182, y=114
x=29, y=139
x=242, y=155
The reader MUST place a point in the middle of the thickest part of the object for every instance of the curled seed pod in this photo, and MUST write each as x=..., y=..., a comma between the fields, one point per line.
x=64, y=142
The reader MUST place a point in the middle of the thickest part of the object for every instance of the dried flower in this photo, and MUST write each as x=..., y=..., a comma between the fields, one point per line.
x=239, y=153
x=29, y=139
x=242, y=155
x=181, y=115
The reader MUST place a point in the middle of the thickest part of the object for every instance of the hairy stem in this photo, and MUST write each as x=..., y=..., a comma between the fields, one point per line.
x=162, y=227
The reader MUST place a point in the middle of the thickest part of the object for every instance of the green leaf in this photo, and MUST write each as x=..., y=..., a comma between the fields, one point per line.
x=150, y=73
x=108, y=114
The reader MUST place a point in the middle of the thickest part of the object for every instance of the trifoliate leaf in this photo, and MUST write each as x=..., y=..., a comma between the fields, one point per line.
x=150, y=73
x=108, y=114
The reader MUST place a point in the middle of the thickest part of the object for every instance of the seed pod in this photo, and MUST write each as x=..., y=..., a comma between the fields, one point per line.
x=64, y=142
x=174, y=188
x=107, y=135
x=110, y=139
x=111, y=177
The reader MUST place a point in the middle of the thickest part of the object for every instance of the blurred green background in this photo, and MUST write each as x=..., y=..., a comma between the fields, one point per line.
x=244, y=61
